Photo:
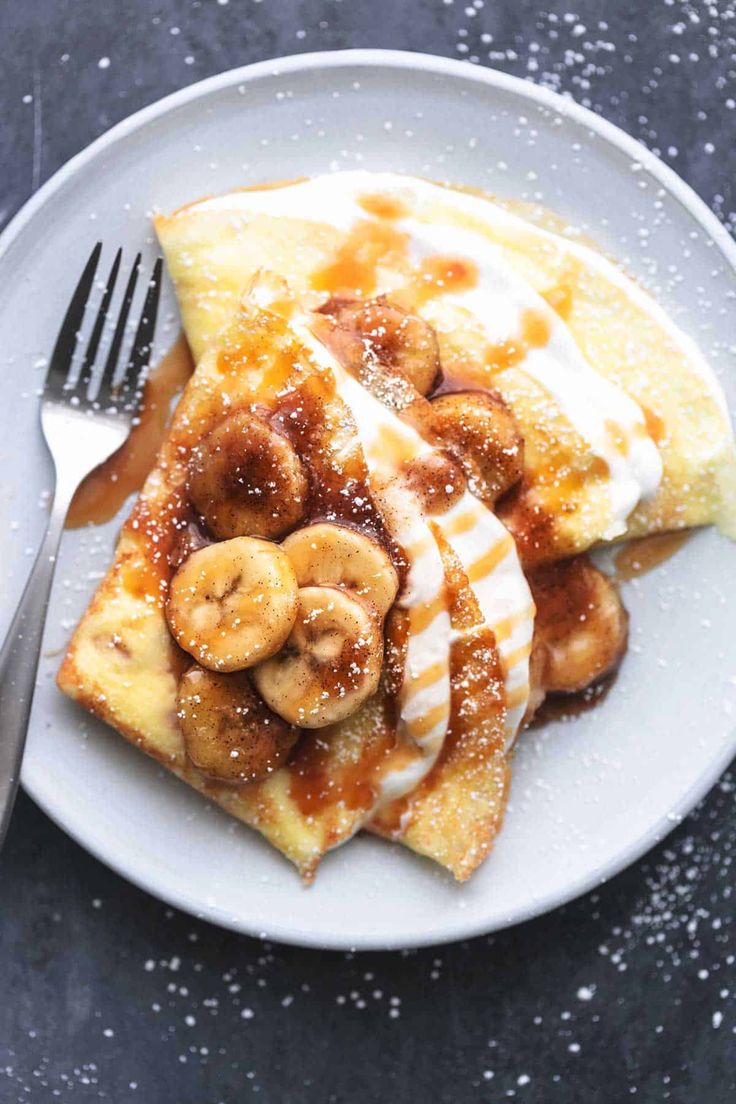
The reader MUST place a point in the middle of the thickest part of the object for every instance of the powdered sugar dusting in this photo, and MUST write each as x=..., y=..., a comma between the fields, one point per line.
x=479, y=1021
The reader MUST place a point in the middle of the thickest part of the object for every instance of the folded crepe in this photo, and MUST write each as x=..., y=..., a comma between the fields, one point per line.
x=625, y=425
x=426, y=756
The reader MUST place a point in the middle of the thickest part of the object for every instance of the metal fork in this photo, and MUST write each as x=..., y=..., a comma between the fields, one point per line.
x=84, y=422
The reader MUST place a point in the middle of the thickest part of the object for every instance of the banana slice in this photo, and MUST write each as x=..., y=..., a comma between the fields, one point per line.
x=481, y=431
x=326, y=553
x=246, y=480
x=233, y=604
x=436, y=479
x=229, y=733
x=331, y=663
x=396, y=338
x=581, y=626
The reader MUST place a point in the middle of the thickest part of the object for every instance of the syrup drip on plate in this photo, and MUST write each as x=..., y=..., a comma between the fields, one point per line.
x=104, y=490
x=639, y=557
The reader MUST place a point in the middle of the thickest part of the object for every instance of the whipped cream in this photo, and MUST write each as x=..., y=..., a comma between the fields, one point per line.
x=488, y=556
x=424, y=716
x=487, y=553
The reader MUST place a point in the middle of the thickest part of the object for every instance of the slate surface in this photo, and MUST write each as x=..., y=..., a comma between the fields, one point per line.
x=628, y=993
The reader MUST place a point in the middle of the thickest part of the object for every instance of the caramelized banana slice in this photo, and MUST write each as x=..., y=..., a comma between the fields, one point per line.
x=436, y=479
x=233, y=604
x=396, y=338
x=245, y=479
x=337, y=555
x=229, y=733
x=482, y=433
x=331, y=663
x=581, y=626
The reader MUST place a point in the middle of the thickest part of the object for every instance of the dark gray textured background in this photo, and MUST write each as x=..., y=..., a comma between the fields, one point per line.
x=626, y=994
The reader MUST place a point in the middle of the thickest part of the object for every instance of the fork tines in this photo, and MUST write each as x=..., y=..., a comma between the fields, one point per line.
x=114, y=388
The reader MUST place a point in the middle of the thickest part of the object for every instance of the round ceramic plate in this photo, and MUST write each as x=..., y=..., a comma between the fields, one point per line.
x=588, y=796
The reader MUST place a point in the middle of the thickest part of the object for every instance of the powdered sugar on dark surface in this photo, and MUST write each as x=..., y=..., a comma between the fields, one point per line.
x=627, y=993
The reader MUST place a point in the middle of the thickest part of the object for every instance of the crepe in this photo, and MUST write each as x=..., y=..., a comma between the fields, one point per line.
x=123, y=665
x=625, y=425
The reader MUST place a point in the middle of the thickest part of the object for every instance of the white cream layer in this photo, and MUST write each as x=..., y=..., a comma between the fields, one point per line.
x=429, y=648
x=501, y=590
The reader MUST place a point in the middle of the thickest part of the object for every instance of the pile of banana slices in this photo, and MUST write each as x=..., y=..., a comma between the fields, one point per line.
x=305, y=617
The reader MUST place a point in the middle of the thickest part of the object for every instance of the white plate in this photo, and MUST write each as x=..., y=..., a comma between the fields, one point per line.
x=589, y=796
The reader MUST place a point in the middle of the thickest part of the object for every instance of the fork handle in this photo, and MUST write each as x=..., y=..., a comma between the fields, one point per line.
x=20, y=654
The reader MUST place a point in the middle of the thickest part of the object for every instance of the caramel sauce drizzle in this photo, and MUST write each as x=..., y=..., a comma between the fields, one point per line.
x=655, y=425
x=561, y=295
x=428, y=677
x=517, y=696
x=560, y=299
x=395, y=447
x=523, y=652
x=354, y=269
x=418, y=548
x=316, y=782
x=460, y=524
x=147, y=571
x=534, y=334
x=421, y=617
x=384, y=206
x=506, y=627
x=639, y=557
x=489, y=561
x=617, y=436
x=419, y=727
x=104, y=490
x=440, y=275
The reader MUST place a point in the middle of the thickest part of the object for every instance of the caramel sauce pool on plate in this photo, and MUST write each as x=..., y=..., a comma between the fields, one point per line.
x=104, y=490
x=641, y=556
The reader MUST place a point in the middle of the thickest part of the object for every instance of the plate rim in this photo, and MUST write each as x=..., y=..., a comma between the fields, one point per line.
x=685, y=195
